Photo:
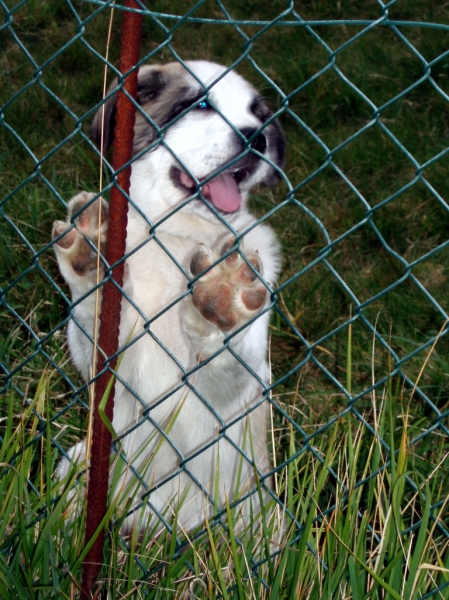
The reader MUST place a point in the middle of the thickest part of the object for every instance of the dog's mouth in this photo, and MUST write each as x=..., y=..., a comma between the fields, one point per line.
x=222, y=191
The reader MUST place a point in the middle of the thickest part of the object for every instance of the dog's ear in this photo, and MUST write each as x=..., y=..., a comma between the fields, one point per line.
x=150, y=83
x=274, y=134
x=102, y=130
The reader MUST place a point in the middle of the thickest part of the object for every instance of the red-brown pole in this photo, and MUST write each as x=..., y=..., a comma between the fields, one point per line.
x=112, y=296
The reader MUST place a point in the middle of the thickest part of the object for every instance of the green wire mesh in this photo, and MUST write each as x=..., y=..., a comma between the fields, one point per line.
x=31, y=344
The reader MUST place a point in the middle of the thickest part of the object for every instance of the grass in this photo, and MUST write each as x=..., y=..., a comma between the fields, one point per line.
x=356, y=550
x=379, y=218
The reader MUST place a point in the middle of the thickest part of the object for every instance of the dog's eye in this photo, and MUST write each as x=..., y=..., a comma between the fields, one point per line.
x=203, y=104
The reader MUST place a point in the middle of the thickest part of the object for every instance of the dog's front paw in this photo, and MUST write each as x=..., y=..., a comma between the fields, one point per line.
x=230, y=293
x=73, y=249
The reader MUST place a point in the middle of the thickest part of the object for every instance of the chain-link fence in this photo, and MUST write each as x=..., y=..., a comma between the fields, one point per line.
x=357, y=337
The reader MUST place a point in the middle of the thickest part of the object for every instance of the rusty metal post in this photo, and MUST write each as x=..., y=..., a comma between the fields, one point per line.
x=111, y=299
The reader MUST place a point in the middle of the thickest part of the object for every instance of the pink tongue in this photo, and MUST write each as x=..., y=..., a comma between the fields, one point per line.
x=223, y=192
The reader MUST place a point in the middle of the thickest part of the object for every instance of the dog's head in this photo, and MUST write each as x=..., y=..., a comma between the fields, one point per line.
x=200, y=129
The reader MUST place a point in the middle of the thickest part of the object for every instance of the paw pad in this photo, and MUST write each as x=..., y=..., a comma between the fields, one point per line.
x=230, y=293
x=73, y=246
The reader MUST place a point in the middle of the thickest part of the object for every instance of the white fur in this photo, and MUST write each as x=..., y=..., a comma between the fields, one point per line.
x=154, y=281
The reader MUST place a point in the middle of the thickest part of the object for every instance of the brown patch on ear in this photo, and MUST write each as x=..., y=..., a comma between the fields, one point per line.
x=163, y=94
x=273, y=133
x=150, y=84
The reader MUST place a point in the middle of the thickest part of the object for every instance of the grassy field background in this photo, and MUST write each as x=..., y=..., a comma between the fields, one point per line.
x=367, y=127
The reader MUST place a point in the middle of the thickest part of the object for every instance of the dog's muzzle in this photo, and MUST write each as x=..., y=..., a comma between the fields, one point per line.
x=223, y=191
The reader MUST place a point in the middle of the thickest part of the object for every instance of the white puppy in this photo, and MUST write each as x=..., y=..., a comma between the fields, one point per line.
x=197, y=425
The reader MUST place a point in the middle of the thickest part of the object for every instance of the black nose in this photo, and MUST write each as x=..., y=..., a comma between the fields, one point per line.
x=259, y=143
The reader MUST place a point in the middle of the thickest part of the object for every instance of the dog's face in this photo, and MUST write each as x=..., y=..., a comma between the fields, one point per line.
x=205, y=133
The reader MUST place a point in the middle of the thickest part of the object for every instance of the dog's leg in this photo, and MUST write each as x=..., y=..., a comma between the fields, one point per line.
x=231, y=297
x=226, y=320
x=77, y=259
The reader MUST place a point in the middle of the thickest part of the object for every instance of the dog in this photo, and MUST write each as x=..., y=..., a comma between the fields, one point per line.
x=190, y=413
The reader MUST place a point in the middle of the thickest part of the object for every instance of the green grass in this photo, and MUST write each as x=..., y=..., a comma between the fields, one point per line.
x=358, y=551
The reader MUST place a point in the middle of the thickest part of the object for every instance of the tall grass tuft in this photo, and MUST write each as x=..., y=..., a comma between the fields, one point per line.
x=367, y=529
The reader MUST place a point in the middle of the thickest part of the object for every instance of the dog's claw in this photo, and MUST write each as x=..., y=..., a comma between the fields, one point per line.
x=231, y=292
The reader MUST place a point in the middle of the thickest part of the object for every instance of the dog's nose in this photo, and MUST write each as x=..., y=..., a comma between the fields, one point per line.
x=259, y=143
